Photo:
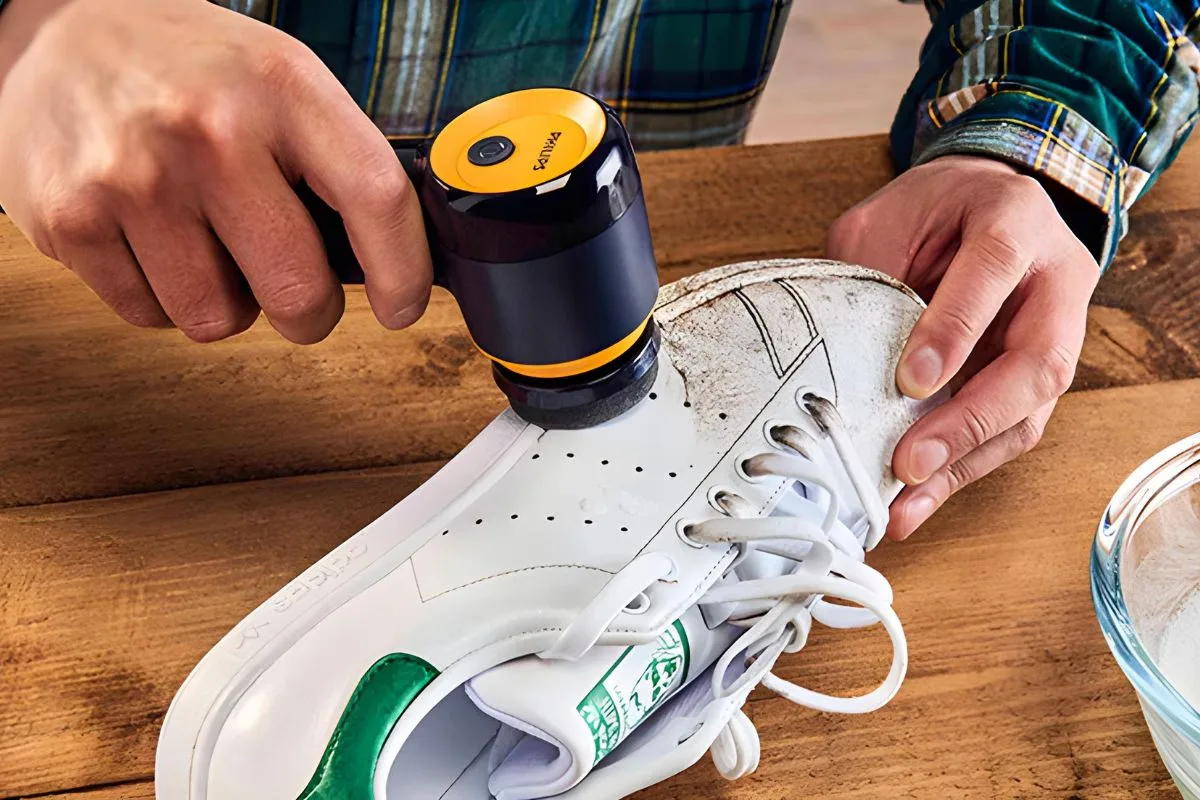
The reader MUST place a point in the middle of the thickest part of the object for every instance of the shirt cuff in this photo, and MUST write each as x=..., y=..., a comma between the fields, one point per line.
x=1046, y=139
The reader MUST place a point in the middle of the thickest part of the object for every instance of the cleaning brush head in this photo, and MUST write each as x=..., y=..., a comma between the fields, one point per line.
x=583, y=401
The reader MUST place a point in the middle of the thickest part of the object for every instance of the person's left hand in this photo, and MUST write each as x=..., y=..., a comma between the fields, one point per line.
x=1007, y=284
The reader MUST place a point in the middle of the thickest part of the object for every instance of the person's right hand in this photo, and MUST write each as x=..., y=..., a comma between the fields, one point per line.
x=152, y=148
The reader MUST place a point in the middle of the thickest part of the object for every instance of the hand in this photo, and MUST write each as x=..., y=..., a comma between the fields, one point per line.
x=152, y=148
x=1007, y=284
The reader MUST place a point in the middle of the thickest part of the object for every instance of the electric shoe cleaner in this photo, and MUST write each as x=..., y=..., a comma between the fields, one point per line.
x=536, y=223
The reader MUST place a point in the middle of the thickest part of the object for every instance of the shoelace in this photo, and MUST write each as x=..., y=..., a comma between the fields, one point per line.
x=777, y=612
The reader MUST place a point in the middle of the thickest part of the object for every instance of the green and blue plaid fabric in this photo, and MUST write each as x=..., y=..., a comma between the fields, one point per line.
x=682, y=73
x=1096, y=95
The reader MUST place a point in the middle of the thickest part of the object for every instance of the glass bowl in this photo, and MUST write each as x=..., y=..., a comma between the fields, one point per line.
x=1146, y=588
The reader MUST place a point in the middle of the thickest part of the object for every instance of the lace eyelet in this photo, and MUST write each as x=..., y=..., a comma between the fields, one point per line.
x=640, y=604
x=683, y=530
x=807, y=398
x=724, y=500
x=803, y=393
x=715, y=495
x=739, y=467
x=795, y=439
x=820, y=409
x=769, y=426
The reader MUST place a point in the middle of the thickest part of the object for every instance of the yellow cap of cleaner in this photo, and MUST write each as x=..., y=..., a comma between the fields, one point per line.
x=550, y=131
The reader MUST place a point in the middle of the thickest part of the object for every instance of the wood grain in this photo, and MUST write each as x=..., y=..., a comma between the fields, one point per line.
x=1145, y=315
x=106, y=604
x=90, y=407
x=138, y=790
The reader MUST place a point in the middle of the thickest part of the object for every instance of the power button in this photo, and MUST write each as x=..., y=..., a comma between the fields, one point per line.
x=490, y=150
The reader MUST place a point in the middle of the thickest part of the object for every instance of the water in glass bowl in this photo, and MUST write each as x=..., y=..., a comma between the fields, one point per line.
x=1146, y=584
x=1179, y=655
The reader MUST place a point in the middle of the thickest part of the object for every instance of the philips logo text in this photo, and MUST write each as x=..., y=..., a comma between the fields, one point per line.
x=547, y=150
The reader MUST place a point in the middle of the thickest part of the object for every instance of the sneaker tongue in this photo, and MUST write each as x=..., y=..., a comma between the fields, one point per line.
x=562, y=717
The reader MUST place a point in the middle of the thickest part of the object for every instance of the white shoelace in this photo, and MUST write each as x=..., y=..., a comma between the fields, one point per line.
x=776, y=611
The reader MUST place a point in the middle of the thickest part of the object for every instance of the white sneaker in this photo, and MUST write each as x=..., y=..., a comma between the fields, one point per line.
x=583, y=613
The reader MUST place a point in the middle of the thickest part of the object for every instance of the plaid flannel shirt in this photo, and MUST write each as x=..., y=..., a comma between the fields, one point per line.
x=1095, y=96
x=682, y=73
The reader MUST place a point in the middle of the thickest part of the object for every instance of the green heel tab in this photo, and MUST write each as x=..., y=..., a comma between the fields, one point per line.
x=347, y=768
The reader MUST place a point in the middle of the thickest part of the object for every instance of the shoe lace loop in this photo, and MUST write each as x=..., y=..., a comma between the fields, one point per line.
x=825, y=561
x=778, y=611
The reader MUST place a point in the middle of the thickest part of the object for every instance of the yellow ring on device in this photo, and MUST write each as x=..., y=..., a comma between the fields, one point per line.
x=578, y=366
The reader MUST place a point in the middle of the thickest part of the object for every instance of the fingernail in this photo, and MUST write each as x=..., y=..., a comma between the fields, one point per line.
x=920, y=372
x=408, y=315
x=928, y=457
x=919, y=509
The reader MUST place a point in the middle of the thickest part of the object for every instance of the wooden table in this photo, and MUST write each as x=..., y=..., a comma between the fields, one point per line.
x=153, y=491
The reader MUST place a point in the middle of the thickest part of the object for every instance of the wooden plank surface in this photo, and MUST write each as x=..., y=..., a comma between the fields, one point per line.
x=105, y=605
x=138, y=790
x=90, y=407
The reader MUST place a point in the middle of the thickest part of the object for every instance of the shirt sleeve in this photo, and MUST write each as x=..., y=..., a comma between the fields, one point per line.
x=1093, y=96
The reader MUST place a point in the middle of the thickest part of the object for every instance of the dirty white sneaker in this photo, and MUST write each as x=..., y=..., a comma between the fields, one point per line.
x=583, y=613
